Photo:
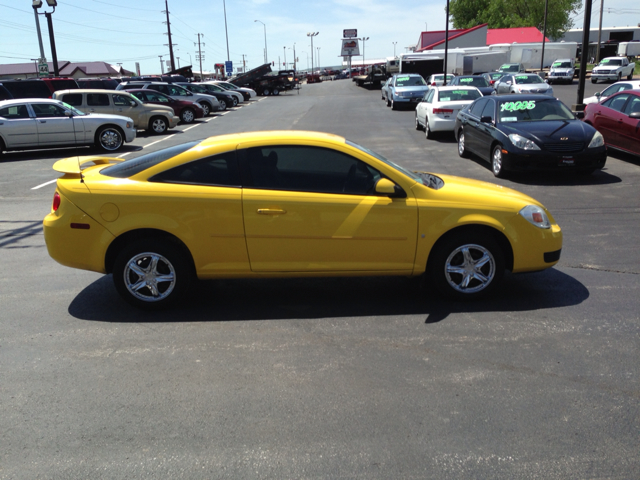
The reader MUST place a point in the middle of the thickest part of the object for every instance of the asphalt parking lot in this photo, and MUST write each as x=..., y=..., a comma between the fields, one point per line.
x=328, y=378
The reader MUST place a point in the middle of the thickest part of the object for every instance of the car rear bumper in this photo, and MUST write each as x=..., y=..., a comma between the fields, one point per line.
x=440, y=124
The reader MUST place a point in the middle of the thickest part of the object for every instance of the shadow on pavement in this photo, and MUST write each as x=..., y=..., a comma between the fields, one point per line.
x=306, y=298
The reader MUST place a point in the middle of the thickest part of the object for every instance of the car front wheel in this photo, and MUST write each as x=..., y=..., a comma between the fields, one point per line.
x=497, y=164
x=158, y=125
x=109, y=139
x=206, y=108
x=467, y=265
x=187, y=115
x=427, y=130
x=152, y=273
x=462, y=150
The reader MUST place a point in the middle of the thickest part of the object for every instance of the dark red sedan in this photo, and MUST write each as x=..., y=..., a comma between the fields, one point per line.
x=618, y=120
x=187, y=111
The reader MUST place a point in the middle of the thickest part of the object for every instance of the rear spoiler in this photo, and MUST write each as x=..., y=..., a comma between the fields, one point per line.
x=75, y=165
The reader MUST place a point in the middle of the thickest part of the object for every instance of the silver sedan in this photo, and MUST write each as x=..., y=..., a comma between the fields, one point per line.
x=27, y=123
x=523, y=83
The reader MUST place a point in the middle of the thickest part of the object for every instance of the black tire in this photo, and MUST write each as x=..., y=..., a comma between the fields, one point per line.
x=188, y=115
x=462, y=149
x=630, y=76
x=275, y=92
x=235, y=102
x=156, y=259
x=223, y=104
x=109, y=138
x=497, y=162
x=1, y=148
x=388, y=102
x=158, y=125
x=427, y=131
x=418, y=125
x=266, y=92
x=206, y=108
x=594, y=80
x=619, y=76
x=467, y=265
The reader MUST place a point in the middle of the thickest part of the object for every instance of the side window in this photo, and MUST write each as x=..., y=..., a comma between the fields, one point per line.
x=161, y=88
x=47, y=110
x=430, y=94
x=14, y=112
x=173, y=90
x=308, y=169
x=121, y=100
x=633, y=106
x=617, y=102
x=488, y=110
x=73, y=99
x=477, y=107
x=98, y=99
x=221, y=170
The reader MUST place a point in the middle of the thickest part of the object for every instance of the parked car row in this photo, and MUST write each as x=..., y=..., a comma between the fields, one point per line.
x=520, y=126
x=106, y=118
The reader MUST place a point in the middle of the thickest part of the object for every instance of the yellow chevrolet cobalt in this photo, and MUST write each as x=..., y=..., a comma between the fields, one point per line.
x=287, y=204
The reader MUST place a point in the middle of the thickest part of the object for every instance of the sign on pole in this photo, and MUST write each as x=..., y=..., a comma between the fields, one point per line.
x=350, y=33
x=350, y=47
x=43, y=68
x=228, y=67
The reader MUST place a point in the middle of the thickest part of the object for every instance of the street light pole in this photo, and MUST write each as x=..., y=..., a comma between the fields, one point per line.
x=318, y=48
x=36, y=5
x=285, y=57
x=394, y=49
x=35, y=12
x=364, y=39
x=312, y=34
x=225, y=30
x=266, y=57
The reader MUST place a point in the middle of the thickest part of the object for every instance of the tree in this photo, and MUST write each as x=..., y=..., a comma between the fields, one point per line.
x=515, y=13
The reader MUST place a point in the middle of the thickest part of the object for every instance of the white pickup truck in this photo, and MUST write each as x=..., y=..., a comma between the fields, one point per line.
x=613, y=68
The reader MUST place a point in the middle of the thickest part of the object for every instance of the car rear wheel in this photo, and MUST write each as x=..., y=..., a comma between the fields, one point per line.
x=630, y=76
x=462, y=150
x=187, y=115
x=466, y=266
x=497, y=165
x=158, y=125
x=266, y=92
x=109, y=138
x=276, y=91
x=152, y=273
x=388, y=102
x=619, y=76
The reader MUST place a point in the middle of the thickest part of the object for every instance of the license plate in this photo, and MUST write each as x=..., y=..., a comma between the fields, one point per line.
x=567, y=161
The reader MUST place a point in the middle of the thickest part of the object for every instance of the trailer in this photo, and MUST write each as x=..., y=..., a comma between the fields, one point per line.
x=432, y=62
x=477, y=63
x=629, y=49
x=530, y=54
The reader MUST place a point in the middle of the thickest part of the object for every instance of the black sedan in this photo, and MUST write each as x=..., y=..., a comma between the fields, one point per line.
x=478, y=81
x=528, y=132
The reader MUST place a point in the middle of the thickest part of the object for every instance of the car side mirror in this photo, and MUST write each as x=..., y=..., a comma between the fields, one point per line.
x=133, y=104
x=486, y=119
x=386, y=187
x=508, y=83
x=598, y=94
x=189, y=94
x=634, y=115
x=68, y=113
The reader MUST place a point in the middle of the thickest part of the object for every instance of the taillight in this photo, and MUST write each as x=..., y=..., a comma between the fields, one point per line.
x=56, y=201
x=433, y=84
x=442, y=110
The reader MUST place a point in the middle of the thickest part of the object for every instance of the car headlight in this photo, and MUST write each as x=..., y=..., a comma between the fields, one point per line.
x=596, y=141
x=129, y=124
x=536, y=216
x=523, y=143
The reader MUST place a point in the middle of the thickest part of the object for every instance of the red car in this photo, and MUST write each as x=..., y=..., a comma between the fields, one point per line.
x=618, y=120
x=187, y=111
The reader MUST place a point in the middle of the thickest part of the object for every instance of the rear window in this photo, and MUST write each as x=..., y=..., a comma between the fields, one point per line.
x=74, y=99
x=458, y=95
x=63, y=84
x=134, y=166
x=28, y=89
x=106, y=84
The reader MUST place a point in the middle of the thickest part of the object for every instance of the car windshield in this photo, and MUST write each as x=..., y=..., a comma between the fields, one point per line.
x=527, y=79
x=611, y=61
x=424, y=178
x=410, y=81
x=197, y=88
x=214, y=88
x=74, y=110
x=561, y=65
x=614, y=88
x=533, y=111
x=128, y=168
x=510, y=68
x=458, y=95
x=230, y=86
x=473, y=81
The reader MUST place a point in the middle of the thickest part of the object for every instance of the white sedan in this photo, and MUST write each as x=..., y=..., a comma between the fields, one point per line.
x=440, y=105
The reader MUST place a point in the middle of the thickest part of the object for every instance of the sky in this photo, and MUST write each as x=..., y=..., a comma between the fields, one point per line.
x=126, y=32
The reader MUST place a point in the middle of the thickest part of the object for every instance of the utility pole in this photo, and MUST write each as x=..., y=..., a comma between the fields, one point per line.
x=244, y=67
x=544, y=36
x=161, y=64
x=585, y=52
x=173, y=63
x=224, y=4
x=42, y=57
x=446, y=43
x=200, y=54
x=599, y=33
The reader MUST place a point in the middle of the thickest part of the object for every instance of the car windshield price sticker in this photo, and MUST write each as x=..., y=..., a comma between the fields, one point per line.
x=515, y=106
x=466, y=80
x=460, y=92
x=402, y=79
x=522, y=77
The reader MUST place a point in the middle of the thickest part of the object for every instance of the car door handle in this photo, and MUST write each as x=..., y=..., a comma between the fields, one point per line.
x=271, y=211
x=43, y=121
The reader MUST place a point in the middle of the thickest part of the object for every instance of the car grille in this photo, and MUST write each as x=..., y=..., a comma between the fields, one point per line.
x=565, y=147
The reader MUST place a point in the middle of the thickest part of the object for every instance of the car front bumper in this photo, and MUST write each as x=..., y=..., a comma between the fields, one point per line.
x=544, y=160
x=604, y=76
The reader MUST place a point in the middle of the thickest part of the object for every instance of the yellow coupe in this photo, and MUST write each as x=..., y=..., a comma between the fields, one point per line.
x=287, y=203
